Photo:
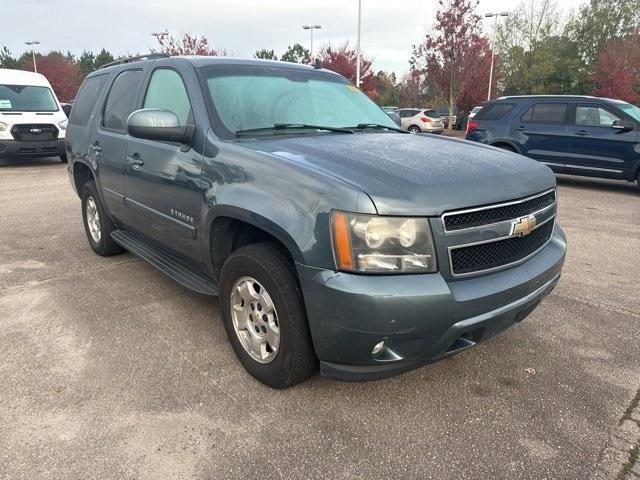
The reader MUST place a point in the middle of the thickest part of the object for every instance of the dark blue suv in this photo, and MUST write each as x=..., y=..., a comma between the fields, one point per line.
x=578, y=135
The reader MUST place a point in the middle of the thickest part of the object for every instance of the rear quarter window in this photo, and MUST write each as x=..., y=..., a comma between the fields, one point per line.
x=494, y=111
x=86, y=99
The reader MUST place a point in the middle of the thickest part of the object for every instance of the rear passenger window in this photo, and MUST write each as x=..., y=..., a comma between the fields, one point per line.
x=86, y=99
x=546, y=113
x=120, y=100
x=166, y=90
x=494, y=111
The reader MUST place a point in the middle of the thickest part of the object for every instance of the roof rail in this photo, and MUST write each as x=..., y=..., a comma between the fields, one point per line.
x=147, y=56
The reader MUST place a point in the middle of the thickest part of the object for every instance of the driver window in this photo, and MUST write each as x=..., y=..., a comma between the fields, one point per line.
x=166, y=90
x=592, y=116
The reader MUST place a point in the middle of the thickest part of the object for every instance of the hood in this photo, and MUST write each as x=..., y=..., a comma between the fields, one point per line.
x=416, y=174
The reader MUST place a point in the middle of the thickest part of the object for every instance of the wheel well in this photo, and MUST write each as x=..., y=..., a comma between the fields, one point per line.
x=504, y=146
x=81, y=175
x=230, y=234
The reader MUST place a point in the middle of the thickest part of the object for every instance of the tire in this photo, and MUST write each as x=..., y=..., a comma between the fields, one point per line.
x=293, y=360
x=102, y=244
x=506, y=147
x=63, y=158
x=414, y=129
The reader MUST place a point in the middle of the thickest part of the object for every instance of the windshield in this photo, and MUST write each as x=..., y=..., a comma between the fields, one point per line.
x=27, y=98
x=249, y=97
x=630, y=110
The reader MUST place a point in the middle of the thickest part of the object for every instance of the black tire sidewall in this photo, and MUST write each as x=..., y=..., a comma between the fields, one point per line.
x=291, y=316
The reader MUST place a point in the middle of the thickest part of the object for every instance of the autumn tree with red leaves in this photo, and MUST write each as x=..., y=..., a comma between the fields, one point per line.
x=187, y=45
x=63, y=74
x=455, y=57
x=342, y=60
x=616, y=73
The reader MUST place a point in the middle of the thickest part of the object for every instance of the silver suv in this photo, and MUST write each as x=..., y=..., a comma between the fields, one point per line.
x=415, y=120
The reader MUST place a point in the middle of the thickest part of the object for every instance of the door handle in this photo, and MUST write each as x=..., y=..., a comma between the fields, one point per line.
x=521, y=128
x=95, y=148
x=135, y=160
x=582, y=133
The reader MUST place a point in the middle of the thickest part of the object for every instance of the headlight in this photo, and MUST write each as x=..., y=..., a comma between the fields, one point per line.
x=3, y=126
x=375, y=244
x=63, y=125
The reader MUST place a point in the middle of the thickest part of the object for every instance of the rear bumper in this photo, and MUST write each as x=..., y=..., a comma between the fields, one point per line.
x=421, y=318
x=15, y=149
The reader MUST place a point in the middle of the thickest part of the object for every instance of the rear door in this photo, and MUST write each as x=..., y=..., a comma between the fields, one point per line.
x=595, y=146
x=406, y=117
x=110, y=139
x=542, y=132
x=163, y=178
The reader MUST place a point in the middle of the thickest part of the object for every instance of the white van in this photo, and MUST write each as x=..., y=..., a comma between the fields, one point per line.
x=32, y=122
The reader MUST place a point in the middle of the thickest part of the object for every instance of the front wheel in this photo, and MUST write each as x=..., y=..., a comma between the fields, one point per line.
x=264, y=316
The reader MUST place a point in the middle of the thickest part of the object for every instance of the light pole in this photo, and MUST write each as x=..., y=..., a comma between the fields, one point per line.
x=495, y=16
x=33, y=53
x=160, y=35
x=358, y=45
x=311, y=28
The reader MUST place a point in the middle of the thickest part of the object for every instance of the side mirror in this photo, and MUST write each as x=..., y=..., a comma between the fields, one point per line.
x=622, y=125
x=158, y=124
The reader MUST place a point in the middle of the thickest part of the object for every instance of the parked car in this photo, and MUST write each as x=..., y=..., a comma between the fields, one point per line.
x=416, y=120
x=32, y=123
x=578, y=135
x=393, y=114
x=332, y=238
x=474, y=111
x=443, y=113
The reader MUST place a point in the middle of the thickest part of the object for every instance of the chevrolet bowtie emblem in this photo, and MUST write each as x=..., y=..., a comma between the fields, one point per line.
x=523, y=226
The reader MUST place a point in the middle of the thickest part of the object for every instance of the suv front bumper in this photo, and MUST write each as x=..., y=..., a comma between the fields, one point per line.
x=14, y=149
x=421, y=318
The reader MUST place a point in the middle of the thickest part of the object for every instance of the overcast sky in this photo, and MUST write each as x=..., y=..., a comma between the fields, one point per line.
x=389, y=28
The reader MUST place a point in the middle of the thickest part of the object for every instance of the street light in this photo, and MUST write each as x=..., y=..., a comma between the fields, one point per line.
x=33, y=53
x=495, y=16
x=358, y=46
x=311, y=28
x=160, y=35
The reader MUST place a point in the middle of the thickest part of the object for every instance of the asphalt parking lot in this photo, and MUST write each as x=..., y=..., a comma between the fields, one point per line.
x=109, y=369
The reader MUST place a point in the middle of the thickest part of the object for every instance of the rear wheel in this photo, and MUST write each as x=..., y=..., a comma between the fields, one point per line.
x=97, y=224
x=264, y=316
x=63, y=158
x=505, y=146
x=414, y=129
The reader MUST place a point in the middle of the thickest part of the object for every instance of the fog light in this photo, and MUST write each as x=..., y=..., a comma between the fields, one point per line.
x=377, y=348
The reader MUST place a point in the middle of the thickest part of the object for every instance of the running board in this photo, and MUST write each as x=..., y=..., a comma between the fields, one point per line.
x=167, y=264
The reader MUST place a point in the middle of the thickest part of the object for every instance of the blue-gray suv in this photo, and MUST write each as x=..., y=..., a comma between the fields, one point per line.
x=591, y=136
x=333, y=239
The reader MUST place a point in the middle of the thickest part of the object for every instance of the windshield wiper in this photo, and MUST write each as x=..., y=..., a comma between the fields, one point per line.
x=284, y=126
x=362, y=126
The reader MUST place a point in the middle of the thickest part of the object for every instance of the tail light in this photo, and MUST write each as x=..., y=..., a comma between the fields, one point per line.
x=425, y=119
x=471, y=126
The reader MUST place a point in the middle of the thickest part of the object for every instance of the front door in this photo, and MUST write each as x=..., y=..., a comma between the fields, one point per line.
x=542, y=132
x=596, y=146
x=162, y=193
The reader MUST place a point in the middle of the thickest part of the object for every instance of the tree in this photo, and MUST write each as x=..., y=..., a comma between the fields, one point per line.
x=455, y=57
x=600, y=21
x=296, y=53
x=265, y=54
x=616, y=73
x=412, y=91
x=387, y=89
x=63, y=75
x=342, y=60
x=187, y=45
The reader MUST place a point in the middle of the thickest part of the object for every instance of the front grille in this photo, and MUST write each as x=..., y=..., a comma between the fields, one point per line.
x=486, y=256
x=34, y=132
x=488, y=216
